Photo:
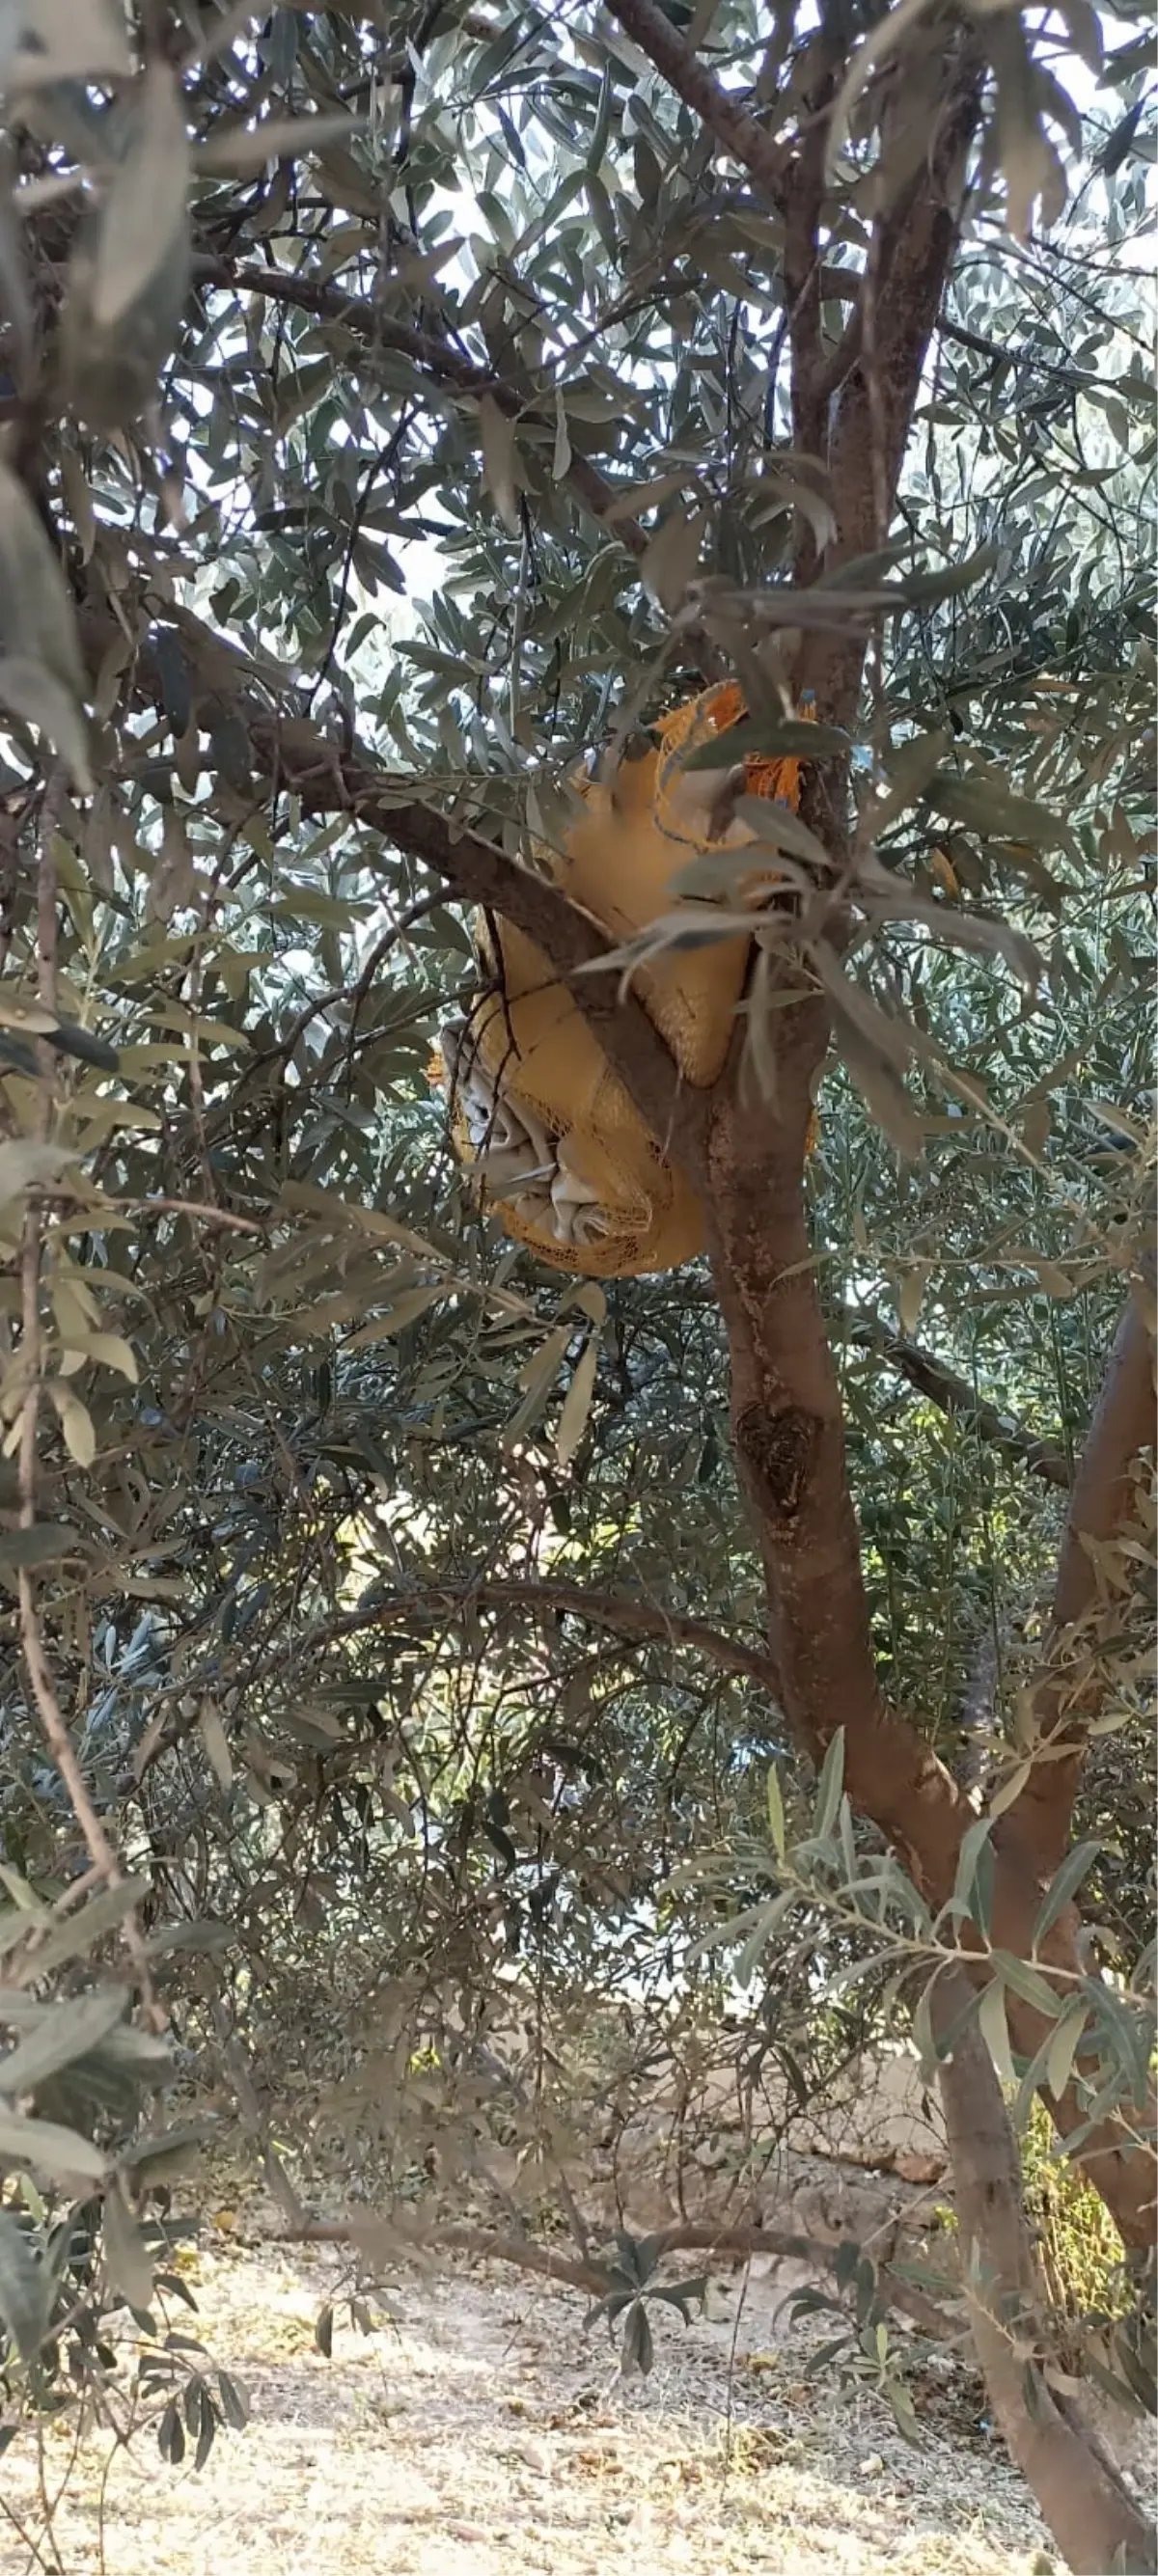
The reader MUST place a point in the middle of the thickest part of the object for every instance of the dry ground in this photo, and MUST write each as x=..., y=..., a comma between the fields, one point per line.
x=480, y=2432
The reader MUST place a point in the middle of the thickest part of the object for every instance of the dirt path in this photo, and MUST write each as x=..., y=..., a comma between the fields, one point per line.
x=481, y=2432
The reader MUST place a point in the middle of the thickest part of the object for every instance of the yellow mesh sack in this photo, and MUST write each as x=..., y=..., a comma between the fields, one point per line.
x=562, y=1156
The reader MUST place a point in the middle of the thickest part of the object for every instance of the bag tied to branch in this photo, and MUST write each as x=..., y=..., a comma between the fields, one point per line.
x=556, y=1147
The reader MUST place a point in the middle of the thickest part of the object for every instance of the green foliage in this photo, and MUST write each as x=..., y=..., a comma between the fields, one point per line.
x=370, y=472
x=65, y=2294
x=1081, y=2245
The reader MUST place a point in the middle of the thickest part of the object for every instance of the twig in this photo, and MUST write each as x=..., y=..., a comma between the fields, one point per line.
x=192, y=1207
x=33, y=2547
x=72, y=1894
x=250, y=2108
x=354, y=994
x=100, y=1850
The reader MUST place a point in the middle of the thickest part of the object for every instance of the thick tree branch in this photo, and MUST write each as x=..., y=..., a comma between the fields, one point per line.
x=787, y=1418
x=571, y=940
x=1103, y=1495
x=382, y=2238
x=292, y=754
x=786, y=1404
x=803, y=286
x=787, y=1411
x=1085, y=1608
x=875, y=404
x=640, y=1621
x=769, y=163
x=1075, y=2481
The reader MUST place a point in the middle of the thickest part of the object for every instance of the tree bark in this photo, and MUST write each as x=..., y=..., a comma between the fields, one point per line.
x=788, y=1430
x=1085, y=1608
x=1089, y=2509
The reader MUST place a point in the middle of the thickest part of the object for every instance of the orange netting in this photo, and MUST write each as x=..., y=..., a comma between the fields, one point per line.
x=563, y=1158
x=690, y=725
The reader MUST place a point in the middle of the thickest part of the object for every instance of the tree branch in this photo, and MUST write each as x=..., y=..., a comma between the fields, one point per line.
x=640, y=1621
x=103, y=1855
x=1103, y=1494
x=445, y=365
x=637, y=1622
x=953, y=1394
x=293, y=754
x=787, y=1422
x=803, y=288
x=1073, y=2478
x=787, y=1414
x=378, y=2238
x=1085, y=1606
x=571, y=940
x=769, y=163
x=875, y=403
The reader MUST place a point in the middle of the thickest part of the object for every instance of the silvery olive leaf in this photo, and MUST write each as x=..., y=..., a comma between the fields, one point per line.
x=886, y=897
x=129, y=273
x=50, y=40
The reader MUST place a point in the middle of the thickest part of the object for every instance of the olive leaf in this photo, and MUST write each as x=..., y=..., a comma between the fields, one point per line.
x=42, y=675
x=129, y=273
x=49, y=2149
x=66, y=2032
x=500, y=462
x=127, y=2258
x=26, y=2288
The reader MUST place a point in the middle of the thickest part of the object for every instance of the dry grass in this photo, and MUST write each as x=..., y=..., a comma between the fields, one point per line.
x=481, y=2432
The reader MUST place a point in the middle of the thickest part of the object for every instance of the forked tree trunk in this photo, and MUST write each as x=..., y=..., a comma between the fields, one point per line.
x=852, y=408
x=789, y=1443
x=1094, y=2519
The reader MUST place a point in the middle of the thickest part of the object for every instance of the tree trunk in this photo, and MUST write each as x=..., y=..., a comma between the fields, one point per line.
x=1092, y=2515
x=787, y=1426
